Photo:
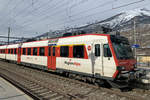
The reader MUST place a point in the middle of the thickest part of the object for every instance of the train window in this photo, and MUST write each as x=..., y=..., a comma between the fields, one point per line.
x=49, y=51
x=24, y=51
x=15, y=51
x=42, y=51
x=97, y=50
x=78, y=51
x=29, y=51
x=11, y=51
x=107, y=52
x=35, y=51
x=64, y=51
x=53, y=51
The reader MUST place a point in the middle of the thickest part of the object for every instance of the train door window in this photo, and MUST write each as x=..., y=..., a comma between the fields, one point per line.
x=64, y=51
x=24, y=51
x=15, y=51
x=35, y=51
x=107, y=52
x=97, y=50
x=49, y=51
x=11, y=51
x=78, y=51
x=53, y=51
x=42, y=51
x=29, y=51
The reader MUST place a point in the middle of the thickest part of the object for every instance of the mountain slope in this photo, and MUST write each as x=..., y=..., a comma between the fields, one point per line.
x=126, y=19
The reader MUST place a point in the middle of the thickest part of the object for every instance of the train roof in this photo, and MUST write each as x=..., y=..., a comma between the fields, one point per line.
x=45, y=41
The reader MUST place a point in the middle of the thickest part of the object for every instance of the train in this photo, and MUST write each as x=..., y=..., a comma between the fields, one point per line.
x=96, y=57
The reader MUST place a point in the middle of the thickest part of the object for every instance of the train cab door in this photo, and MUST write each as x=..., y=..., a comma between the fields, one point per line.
x=108, y=61
x=97, y=60
x=19, y=55
x=51, y=57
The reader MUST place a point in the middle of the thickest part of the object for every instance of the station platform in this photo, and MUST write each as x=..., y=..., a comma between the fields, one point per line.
x=10, y=92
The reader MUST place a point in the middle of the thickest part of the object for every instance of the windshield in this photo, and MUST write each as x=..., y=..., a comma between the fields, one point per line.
x=123, y=51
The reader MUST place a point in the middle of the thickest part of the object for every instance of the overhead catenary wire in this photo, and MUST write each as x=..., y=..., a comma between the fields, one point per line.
x=53, y=15
x=59, y=22
x=95, y=13
x=30, y=20
x=47, y=14
x=7, y=15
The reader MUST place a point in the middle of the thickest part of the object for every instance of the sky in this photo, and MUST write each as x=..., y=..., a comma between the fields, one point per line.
x=29, y=18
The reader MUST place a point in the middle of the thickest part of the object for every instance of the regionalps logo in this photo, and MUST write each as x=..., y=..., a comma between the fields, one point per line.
x=72, y=63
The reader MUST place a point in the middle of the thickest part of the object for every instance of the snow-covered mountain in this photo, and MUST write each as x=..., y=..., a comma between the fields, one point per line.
x=126, y=19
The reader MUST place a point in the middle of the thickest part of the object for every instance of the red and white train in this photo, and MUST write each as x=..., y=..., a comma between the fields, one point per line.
x=98, y=56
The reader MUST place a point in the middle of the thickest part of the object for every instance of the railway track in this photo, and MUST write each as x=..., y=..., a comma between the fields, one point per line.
x=42, y=85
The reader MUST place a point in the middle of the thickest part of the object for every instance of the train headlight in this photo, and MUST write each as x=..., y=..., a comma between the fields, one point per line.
x=120, y=68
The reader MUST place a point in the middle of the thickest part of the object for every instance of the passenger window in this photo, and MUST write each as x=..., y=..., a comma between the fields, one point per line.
x=35, y=51
x=53, y=51
x=15, y=51
x=107, y=52
x=78, y=51
x=97, y=50
x=24, y=51
x=49, y=51
x=64, y=51
x=42, y=51
x=29, y=51
x=11, y=51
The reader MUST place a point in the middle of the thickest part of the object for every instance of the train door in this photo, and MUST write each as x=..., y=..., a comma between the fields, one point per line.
x=97, y=61
x=51, y=57
x=108, y=62
x=19, y=55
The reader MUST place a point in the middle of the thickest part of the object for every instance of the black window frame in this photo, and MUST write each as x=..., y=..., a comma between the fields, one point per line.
x=97, y=50
x=24, y=51
x=79, y=53
x=54, y=48
x=64, y=51
x=40, y=51
x=15, y=51
x=35, y=53
x=107, y=51
x=28, y=51
x=11, y=51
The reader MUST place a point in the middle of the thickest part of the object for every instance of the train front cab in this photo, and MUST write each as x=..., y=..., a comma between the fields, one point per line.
x=123, y=56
